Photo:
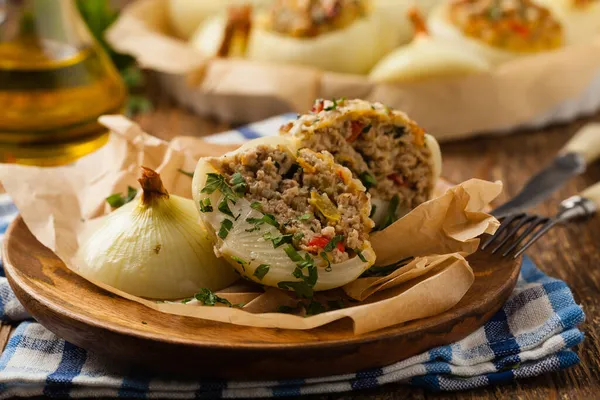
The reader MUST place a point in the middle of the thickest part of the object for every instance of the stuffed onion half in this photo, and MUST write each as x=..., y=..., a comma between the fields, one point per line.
x=498, y=30
x=390, y=154
x=286, y=218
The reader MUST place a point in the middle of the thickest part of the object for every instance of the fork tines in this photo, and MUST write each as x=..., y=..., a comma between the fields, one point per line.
x=518, y=229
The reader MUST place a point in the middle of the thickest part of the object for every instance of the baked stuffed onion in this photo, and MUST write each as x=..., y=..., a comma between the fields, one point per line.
x=286, y=218
x=498, y=30
x=394, y=158
x=332, y=35
x=426, y=57
x=187, y=15
x=581, y=18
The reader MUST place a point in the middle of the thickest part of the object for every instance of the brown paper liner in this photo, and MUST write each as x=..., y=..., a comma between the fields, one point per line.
x=59, y=204
x=235, y=90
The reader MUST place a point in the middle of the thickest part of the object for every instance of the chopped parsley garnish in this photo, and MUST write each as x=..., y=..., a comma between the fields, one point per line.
x=287, y=309
x=239, y=184
x=281, y=240
x=366, y=129
x=190, y=174
x=208, y=298
x=301, y=288
x=240, y=261
x=261, y=271
x=495, y=12
x=224, y=208
x=266, y=219
x=360, y=255
x=373, y=210
x=333, y=243
x=268, y=235
x=205, y=205
x=391, y=213
x=297, y=238
x=305, y=217
x=256, y=205
x=217, y=182
x=293, y=254
x=324, y=257
x=185, y=301
x=367, y=179
x=335, y=304
x=292, y=171
x=335, y=104
x=314, y=308
x=226, y=226
x=385, y=270
x=399, y=131
x=118, y=200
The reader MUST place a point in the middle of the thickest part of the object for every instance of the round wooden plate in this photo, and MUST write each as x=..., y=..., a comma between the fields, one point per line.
x=110, y=325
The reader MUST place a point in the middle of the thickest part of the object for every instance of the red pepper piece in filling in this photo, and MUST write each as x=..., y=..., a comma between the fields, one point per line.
x=318, y=106
x=356, y=129
x=322, y=241
x=519, y=28
x=398, y=179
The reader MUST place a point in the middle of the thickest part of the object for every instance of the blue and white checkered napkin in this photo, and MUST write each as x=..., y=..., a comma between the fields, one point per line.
x=533, y=334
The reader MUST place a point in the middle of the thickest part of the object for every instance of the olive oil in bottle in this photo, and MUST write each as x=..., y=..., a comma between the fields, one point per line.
x=55, y=81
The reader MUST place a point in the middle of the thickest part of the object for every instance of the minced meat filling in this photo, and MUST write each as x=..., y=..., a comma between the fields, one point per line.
x=384, y=156
x=308, y=196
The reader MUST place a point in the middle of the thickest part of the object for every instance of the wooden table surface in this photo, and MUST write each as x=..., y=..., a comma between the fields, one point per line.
x=569, y=253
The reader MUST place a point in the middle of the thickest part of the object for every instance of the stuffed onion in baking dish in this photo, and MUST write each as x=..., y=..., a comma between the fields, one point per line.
x=332, y=35
x=498, y=30
x=426, y=57
x=395, y=159
x=286, y=218
x=581, y=18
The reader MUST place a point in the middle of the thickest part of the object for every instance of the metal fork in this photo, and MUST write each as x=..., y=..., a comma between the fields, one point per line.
x=525, y=229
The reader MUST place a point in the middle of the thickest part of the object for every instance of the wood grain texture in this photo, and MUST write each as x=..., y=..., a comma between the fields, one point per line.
x=569, y=253
x=94, y=319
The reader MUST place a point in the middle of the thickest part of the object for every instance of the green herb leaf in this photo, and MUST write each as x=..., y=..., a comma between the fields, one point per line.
x=261, y=271
x=224, y=207
x=217, y=182
x=292, y=171
x=367, y=179
x=205, y=205
x=335, y=304
x=118, y=200
x=281, y=240
x=190, y=174
x=208, y=298
x=297, y=238
x=240, y=261
x=373, y=211
x=391, y=214
x=366, y=129
x=213, y=182
x=226, y=226
x=331, y=107
x=287, y=309
x=360, y=255
x=256, y=205
x=324, y=257
x=305, y=217
x=293, y=254
x=314, y=308
x=333, y=243
x=185, y=301
x=377, y=271
x=239, y=184
x=302, y=289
